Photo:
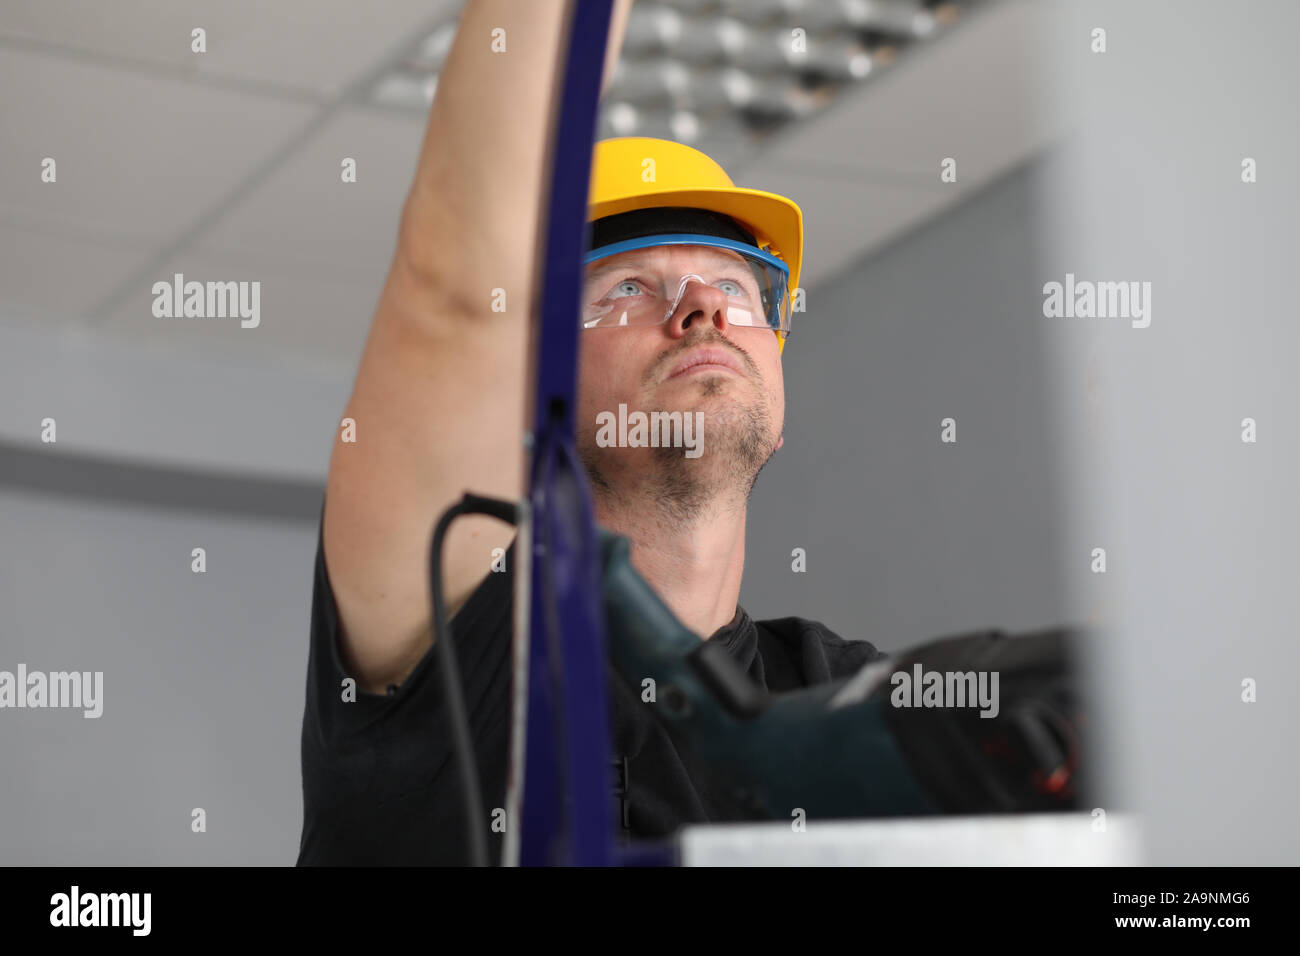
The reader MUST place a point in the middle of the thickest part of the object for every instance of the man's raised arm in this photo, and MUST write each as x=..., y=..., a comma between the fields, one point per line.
x=438, y=400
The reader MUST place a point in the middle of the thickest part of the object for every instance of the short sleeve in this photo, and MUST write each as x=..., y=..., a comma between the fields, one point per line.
x=379, y=780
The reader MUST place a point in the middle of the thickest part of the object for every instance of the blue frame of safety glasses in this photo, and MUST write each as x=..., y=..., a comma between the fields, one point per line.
x=693, y=239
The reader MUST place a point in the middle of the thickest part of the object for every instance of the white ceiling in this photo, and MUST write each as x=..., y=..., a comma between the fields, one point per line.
x=226, y=165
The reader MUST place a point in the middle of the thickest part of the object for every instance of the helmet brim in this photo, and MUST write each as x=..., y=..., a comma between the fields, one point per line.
x=776, y=222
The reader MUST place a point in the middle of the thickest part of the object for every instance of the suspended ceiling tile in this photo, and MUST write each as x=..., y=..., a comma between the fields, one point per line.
x=312, y=47
x=303, y=312
x=304, y=213
x=138, y=157
x=48, y=278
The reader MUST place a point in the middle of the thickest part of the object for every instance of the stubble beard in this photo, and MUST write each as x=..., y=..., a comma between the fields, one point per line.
x=663, y=485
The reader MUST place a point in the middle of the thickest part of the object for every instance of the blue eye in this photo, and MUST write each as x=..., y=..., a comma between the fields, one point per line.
x=624, y=288
x=731, y=287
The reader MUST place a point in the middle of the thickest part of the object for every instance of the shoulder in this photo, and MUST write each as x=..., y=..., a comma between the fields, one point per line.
x=481, y=637
x=809, y=652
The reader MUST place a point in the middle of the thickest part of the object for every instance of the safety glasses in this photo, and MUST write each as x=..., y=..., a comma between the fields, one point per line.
x=643, y=281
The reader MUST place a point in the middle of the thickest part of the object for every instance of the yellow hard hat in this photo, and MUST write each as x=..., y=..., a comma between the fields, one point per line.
x=638, y=172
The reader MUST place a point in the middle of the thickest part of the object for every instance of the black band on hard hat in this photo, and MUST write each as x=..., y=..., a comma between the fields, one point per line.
x=666, y=220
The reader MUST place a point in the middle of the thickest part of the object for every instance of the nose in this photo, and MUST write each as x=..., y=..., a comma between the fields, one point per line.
x=697, y=303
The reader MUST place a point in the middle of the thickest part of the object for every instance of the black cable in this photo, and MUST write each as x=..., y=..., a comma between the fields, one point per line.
x=462, y=747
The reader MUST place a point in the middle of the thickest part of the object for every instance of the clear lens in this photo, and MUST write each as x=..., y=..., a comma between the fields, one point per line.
x=646, y=284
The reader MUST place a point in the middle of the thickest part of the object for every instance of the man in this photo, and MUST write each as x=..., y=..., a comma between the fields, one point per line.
x=685, y=310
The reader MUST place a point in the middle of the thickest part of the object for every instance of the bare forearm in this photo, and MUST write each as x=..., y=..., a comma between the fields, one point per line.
x=470, y=221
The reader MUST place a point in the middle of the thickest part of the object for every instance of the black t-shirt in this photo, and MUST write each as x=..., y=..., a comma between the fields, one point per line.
x=378, y=775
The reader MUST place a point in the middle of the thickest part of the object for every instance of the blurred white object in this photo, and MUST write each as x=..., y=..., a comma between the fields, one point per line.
x=1041, y=839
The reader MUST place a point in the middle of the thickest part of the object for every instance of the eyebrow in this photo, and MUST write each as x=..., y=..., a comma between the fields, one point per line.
x=617, y=262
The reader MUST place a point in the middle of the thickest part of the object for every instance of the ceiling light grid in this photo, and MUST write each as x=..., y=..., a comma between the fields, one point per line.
x=701, y=71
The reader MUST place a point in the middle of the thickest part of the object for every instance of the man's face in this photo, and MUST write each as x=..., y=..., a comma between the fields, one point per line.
x=737, y=385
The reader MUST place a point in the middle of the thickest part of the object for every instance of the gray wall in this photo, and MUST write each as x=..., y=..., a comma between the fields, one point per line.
x=909, y=538
x=906, y=539
x=1200, y=527
x=203, y=673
